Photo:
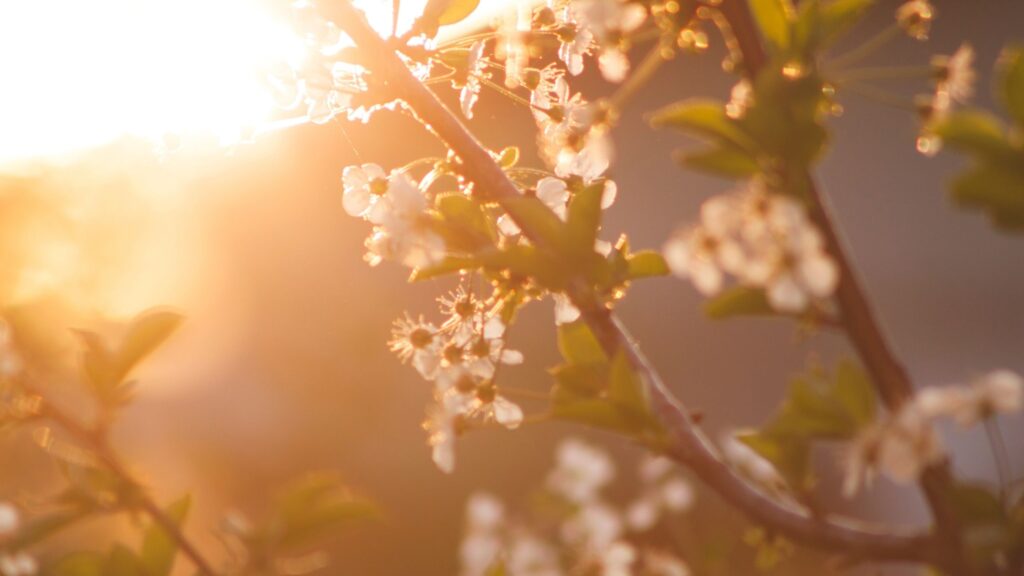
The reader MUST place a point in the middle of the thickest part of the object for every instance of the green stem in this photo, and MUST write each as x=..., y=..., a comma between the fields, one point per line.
x=868, y=48
x=997, y=443
x=884, y=73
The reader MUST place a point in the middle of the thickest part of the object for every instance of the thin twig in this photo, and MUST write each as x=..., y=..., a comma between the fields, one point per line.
x=687, y=443
x=98, y=443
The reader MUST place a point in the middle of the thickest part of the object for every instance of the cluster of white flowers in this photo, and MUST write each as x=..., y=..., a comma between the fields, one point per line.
x=903, y=445
x=954, y=83
x=585, y=25
x=665, y=492
x=397, y=207
x=16, y=563
x=764, y=240
x=490, y=539
x=592, y=538
x=461, y=358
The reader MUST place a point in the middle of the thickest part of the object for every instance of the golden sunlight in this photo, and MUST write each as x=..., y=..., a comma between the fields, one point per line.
x=81, y=74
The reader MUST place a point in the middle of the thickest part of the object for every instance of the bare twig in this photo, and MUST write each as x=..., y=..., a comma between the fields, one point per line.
x=890, y=378
x=688, y=445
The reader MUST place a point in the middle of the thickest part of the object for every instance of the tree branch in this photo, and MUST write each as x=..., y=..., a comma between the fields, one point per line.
x=688, y=444
x=888, y=374
x=100, y=447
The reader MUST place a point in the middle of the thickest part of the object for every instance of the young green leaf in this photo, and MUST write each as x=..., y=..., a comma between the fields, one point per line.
x=158, y=547
x=723, y=160
x=579, y=345
x=738, y=301
x=646, y=264
x=977, y=133
x=1012, y=68
x=584, y=218
x=625, y=388
x=773, y=18
x=704, y=118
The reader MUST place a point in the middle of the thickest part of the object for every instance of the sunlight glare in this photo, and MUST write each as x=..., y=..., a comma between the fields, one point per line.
x=81, y=74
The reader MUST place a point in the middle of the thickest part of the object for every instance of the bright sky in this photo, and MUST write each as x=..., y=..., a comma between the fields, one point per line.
x=78, y=74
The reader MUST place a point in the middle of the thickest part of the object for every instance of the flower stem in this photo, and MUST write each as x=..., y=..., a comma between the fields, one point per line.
x=997, y=443
x=869, y=47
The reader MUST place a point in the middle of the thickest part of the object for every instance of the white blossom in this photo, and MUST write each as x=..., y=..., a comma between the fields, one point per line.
x=581, y=471
x=901, y=447
x=491, y=406
x=593, y=528
x=528, y=555
x=415, y=341
x=663, y=492
x=10, y=520
x=956, y=74
x=400, y=233
x=611, y=22
x=18, y=564
x=660, y=563
x=765, y=240
x=441, y=427
x=362, y=187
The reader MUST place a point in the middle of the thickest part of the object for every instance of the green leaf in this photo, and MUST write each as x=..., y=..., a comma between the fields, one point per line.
x=466, y=225
x=738, y=301
x=855, y=392
x=80, y=564
x=316, y=507
x=123, y=562
x=158, y=547
x=724, y=160
x=596, y=412
x=583, y=219
x=975, y=132
x=1012, y=68
x=790, y=456
x=997, y=190
x=773, y=17
x=587, y=380
x=578, y=344
x=526, y=261
x=456, y=11
x=147, y=333
x=704, y=118
x=508, y=157
x=530, y=213
x=821, y=23
x=821, y=408
x=626, y=389
x=785, y=117
x=839, y=15
x=646, y=264
x=988, y=530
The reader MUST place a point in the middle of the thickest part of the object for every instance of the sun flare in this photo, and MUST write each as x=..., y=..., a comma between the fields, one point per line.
x=81, y=74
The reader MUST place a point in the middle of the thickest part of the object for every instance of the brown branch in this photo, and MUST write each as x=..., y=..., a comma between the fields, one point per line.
x=888, y=374
x=688, y=445
x=97, y=442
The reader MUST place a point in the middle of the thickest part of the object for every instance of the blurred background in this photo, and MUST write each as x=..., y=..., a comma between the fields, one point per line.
x=282, y=366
